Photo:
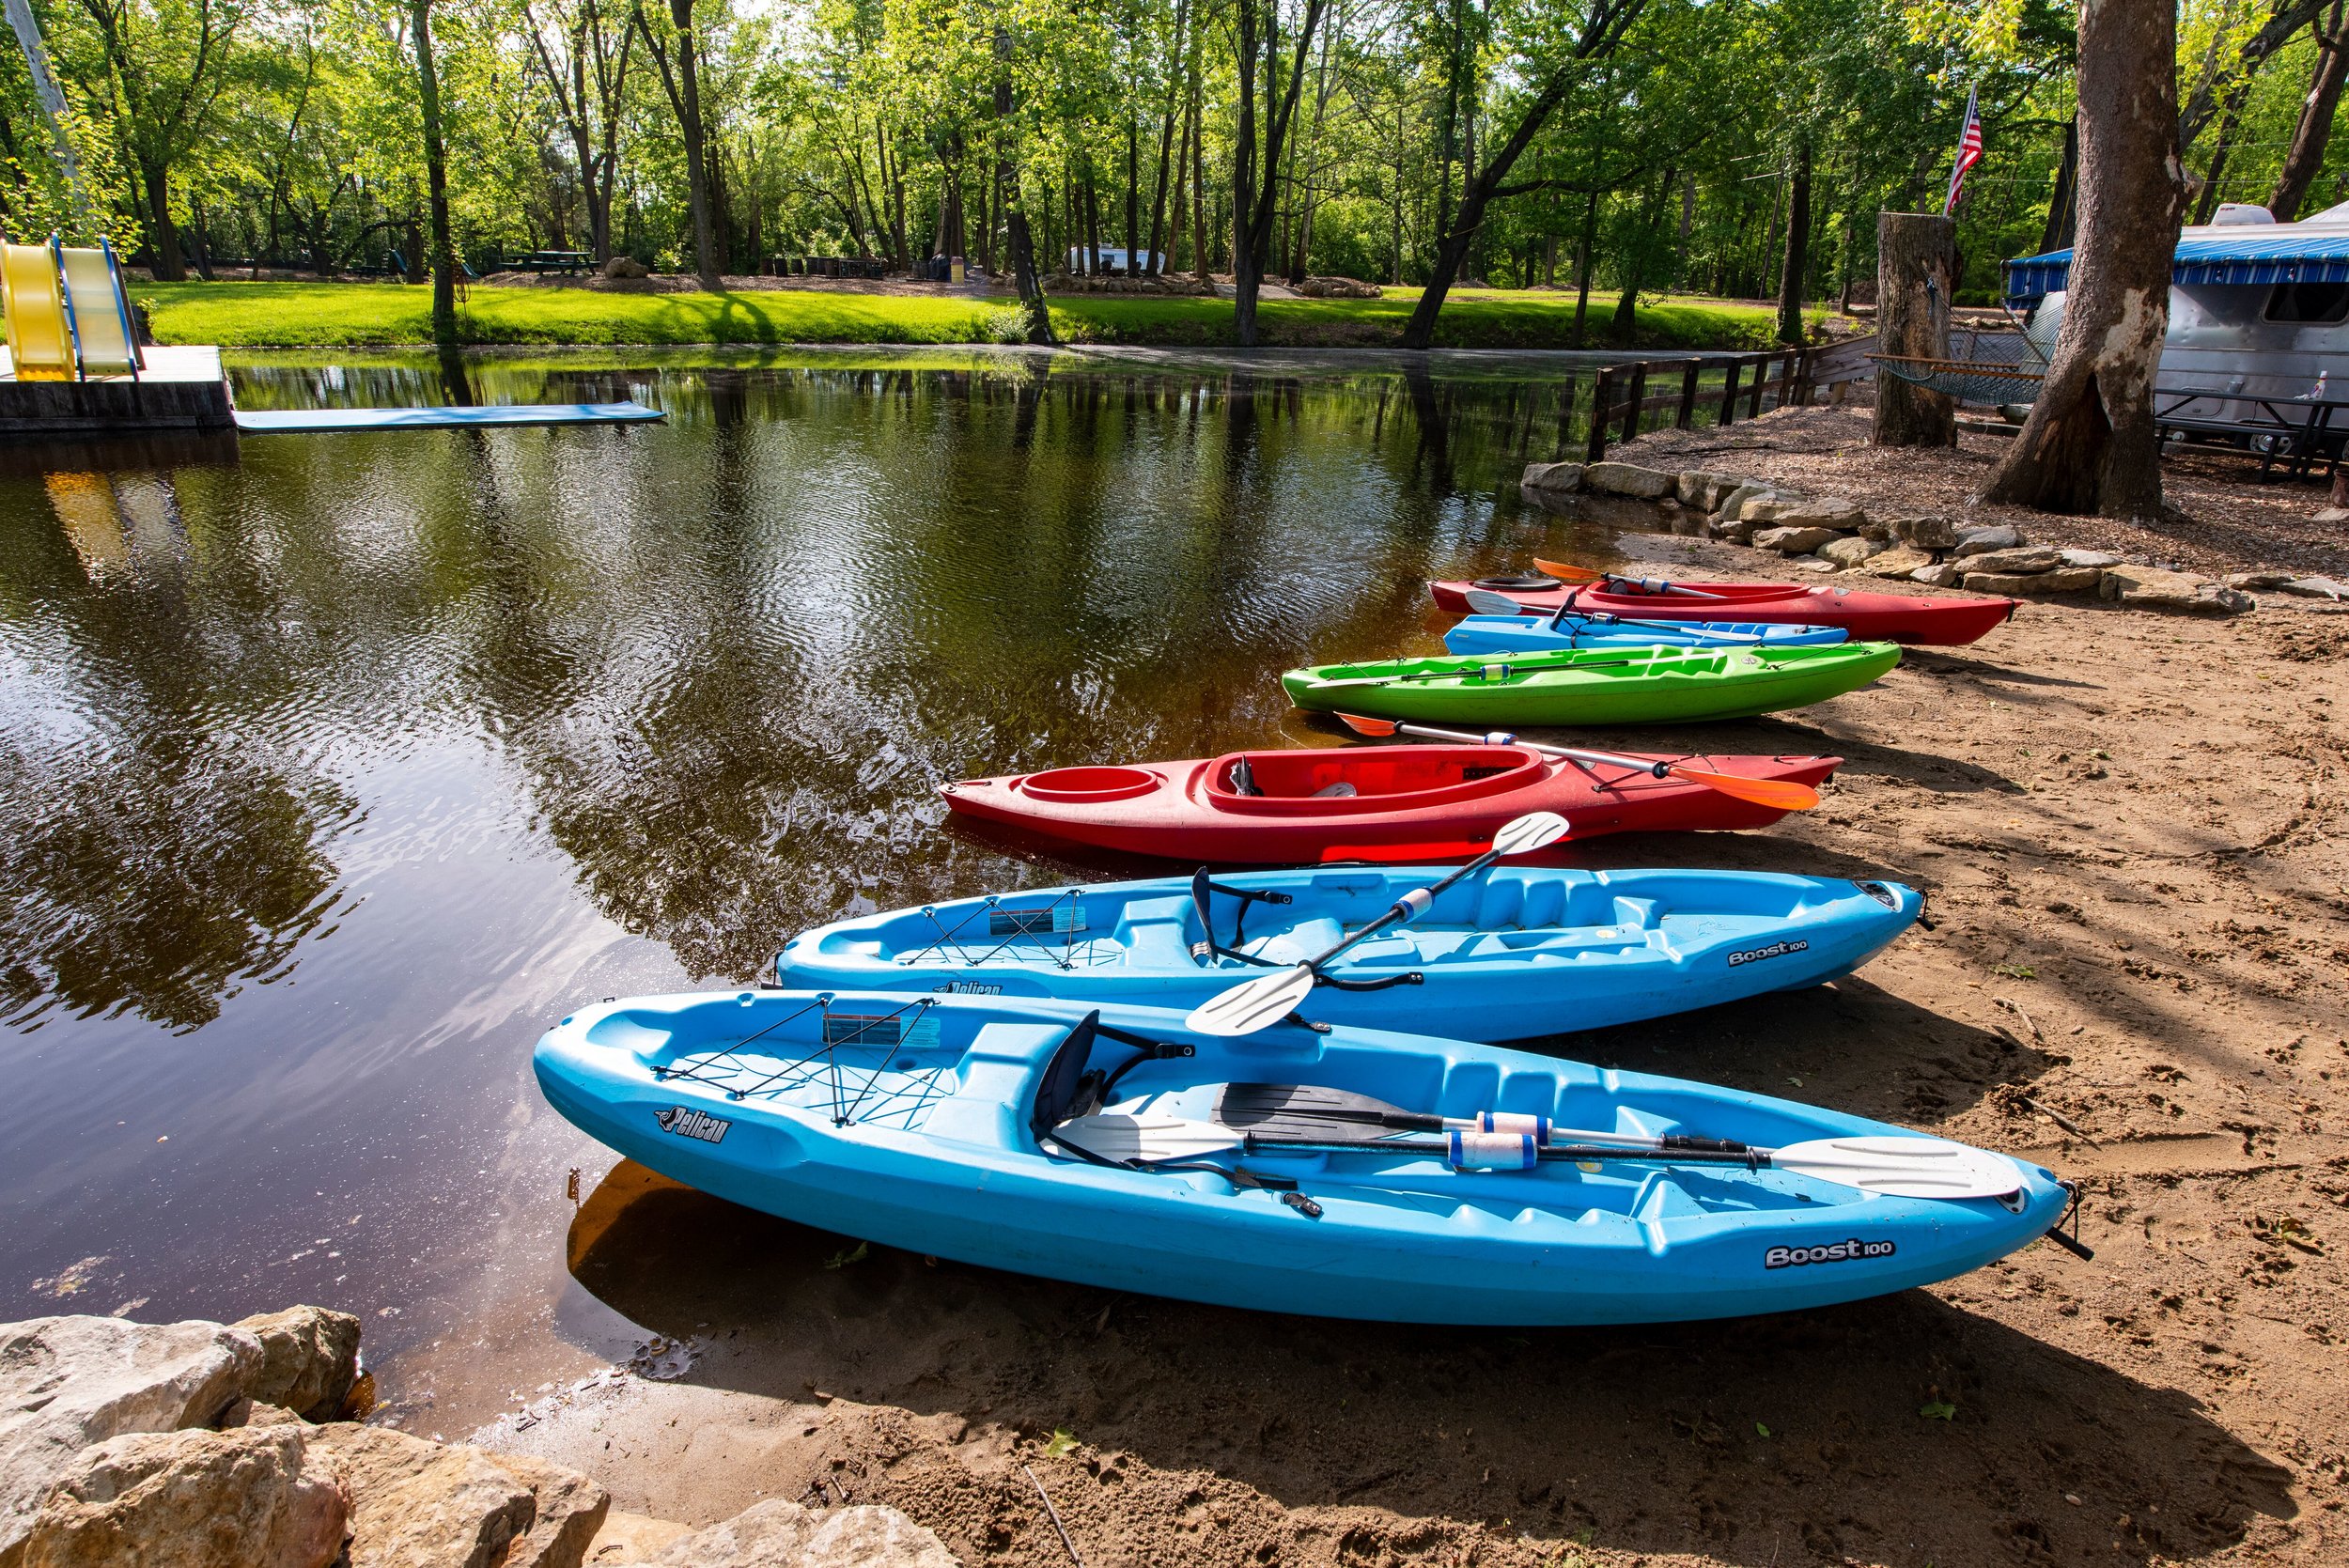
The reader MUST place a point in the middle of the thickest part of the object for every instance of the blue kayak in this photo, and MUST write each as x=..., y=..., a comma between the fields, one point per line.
x=1512, y=952
x=1547, y=633
x=1039, y=1138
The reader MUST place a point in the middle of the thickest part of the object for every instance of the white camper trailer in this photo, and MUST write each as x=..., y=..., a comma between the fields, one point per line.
x=2259, y=322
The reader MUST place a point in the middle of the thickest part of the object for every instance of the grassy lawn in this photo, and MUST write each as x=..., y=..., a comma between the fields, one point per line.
x=336, y=315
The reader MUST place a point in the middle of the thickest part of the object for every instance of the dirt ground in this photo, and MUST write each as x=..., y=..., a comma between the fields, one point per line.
x=2131, y=826
x=2232, y=522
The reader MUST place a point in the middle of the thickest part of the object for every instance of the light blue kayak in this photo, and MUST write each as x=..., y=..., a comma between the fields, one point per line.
x=1545, y=633
x=951, y=1126
x=1513, y=952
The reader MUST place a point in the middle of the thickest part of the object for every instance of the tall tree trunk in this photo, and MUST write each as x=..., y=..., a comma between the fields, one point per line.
x=1603, y=28
x=1201, y=235
x=1256, y=187
x=169, y=264
x=1584, y=257
x=2089, y=444
x=1133, y=191
x=2064, y=206
x=1796, y=271
x=1175, y=83
x=436, y=185
x=1625, y=321
x=1015, y=236
x=2315, y=126
x=1916, y=268
x=684, y=87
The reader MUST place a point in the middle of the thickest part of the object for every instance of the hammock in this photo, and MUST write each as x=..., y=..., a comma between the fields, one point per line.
x=2000, y=368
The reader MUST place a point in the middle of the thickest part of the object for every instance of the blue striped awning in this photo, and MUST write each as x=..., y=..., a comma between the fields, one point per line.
x=2251, y=255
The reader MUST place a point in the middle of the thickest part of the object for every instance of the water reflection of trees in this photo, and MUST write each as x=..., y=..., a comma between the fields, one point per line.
x=148, y=861
x=730, y=658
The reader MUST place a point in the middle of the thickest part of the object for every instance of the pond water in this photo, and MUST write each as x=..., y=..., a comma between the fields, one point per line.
x=335, y=767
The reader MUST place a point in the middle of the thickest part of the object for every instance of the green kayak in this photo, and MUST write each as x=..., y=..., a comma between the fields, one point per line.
x=1594, y=685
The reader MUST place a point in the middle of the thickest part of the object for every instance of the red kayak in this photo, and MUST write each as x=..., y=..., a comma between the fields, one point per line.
x=1360, y=802
x=1872, y=618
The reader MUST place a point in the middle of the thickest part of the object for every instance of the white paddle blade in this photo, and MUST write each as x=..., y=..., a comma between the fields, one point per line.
x=1486, y=602
x=1904, y=1166
x=1535, y=830
x=1260, y=1003
x=1120, y=1136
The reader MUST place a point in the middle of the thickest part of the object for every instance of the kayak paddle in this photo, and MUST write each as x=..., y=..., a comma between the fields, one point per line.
x=1777, y=793
x=1259, y=1004
x=1486, y=602
x=1889, y=1167
x=1471, y=664
x=1654, y=585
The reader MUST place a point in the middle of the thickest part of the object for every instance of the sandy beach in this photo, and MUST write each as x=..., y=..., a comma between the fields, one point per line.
x=2130, y=825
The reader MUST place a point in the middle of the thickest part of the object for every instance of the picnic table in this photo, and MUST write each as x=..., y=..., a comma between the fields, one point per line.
x=565, y=262
x=2298, y=432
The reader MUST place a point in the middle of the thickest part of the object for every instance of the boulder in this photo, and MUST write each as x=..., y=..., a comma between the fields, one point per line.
x=416, y=1504
x=2318, y=587
x=1733, y=503
x=1733, y=529
x=1852, y=550
x=2097, y=558
x=1705, y=490
x=780, y=1534
x=1793, y=541
x=2063, y=580
x=1556, y=478
x=2159, y=588
x=1899, y=561
x=1833, y=512
x=1812, y=563
x=1765, y=509
x=1880, y=530
x=309, y=1360
x=1946, y=575
x=193, y=1499
x=1978, y=542
x=1644, y=484
x=1926, y=533
x=2015, y=560
x=626, y=267
x=68, y=1382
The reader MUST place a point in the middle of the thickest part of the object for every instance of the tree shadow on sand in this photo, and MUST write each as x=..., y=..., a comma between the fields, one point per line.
x=1906, y=1426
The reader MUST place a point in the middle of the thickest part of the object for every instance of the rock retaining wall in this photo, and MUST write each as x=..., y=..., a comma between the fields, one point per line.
x=1833, y=534
x=199, y=1445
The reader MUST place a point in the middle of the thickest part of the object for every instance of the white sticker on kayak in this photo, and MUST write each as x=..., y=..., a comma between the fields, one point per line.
x=1852, y=1251
x=1776, y=949
x=1029, y=922
x=881, y=1029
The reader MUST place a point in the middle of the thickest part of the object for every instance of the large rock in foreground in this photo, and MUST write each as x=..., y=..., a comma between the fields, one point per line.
x=780, y=1534
x=68, y=1382
x=418, y=1504
x=309, y=1361
x=193, y=1499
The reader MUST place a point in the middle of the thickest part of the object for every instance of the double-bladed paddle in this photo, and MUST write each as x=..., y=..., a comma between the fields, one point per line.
x=1261, y=1002
x=1780, y=794
x=1486, y=602
x=1565, y=573
x=1889, y=1167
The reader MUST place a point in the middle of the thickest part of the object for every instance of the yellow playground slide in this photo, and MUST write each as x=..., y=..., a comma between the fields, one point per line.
x=100, y=320
x=39, y=341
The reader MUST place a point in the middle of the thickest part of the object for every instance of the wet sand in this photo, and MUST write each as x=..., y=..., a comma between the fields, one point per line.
x=2130, y=827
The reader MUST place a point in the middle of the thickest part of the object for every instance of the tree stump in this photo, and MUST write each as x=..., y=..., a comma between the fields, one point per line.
x=1916, y=269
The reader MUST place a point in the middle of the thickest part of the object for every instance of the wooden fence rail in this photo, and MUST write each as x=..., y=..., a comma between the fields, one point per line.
x=1620, y=398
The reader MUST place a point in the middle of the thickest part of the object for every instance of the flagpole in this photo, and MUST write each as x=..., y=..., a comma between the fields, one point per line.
x=1957, y=160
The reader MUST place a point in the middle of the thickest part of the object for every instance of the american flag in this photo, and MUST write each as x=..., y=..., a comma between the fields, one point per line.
x=1968, y=154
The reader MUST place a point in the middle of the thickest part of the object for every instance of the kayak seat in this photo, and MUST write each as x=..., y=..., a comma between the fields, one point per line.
x=1643, y=914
